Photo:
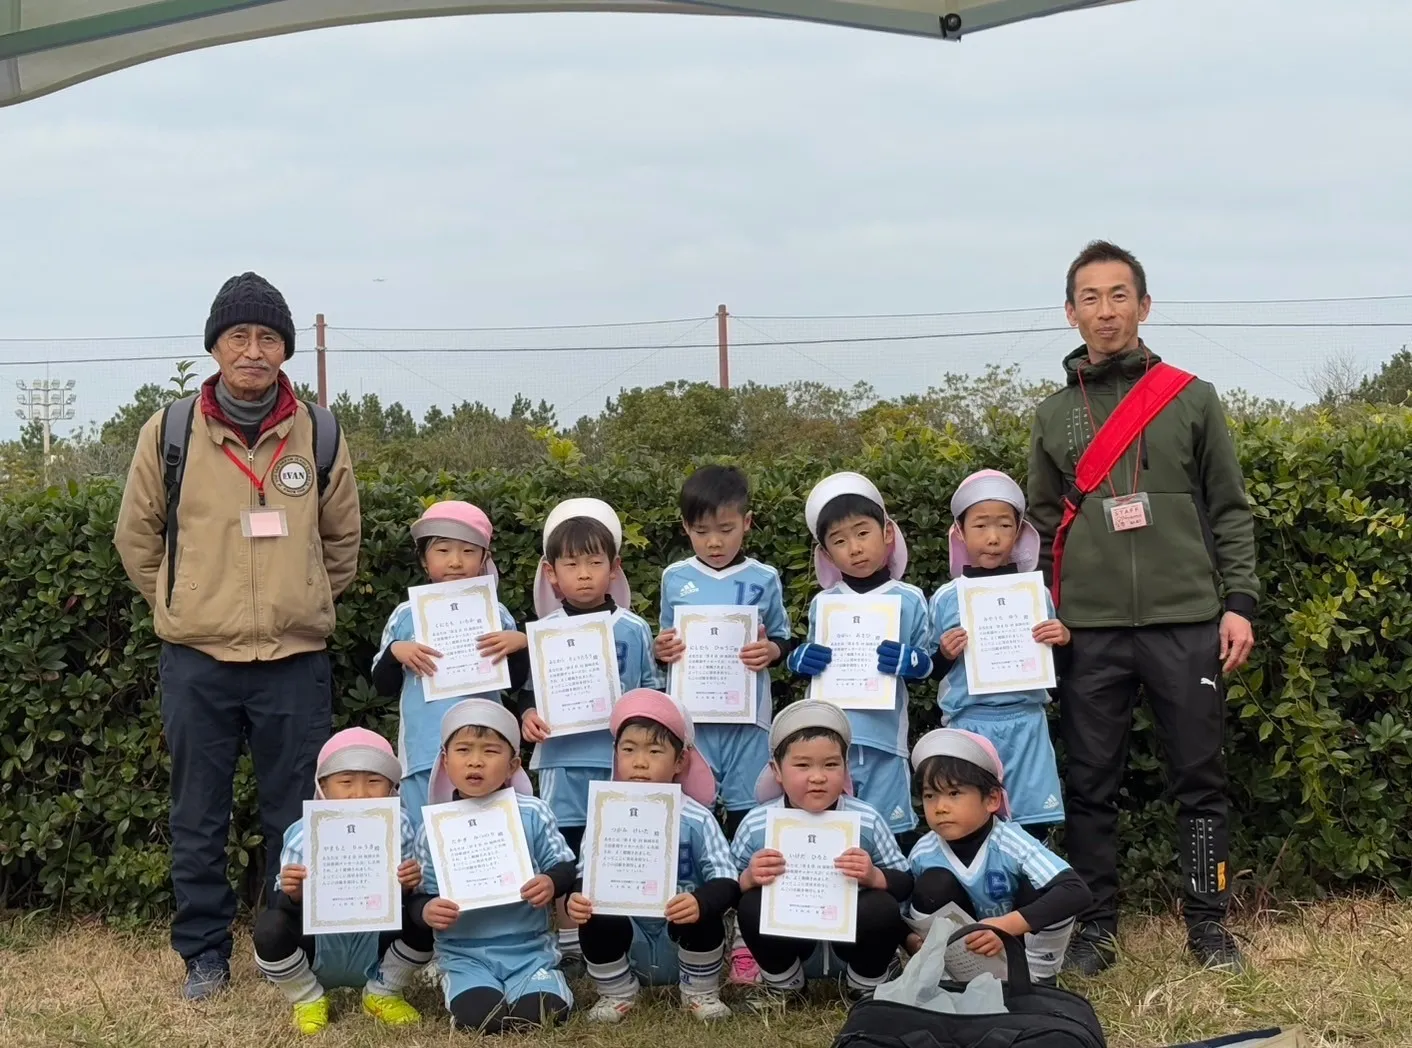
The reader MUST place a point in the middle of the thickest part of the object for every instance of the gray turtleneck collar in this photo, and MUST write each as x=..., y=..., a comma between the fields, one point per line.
x=247, y=414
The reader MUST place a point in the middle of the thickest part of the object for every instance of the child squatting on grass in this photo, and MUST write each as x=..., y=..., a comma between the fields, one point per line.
x=356, y=764
x=499, y=966
x=654, y=742
x=977, y=859
x=809, y=771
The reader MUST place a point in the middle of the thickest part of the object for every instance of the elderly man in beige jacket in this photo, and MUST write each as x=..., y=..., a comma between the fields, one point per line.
x=240, y=538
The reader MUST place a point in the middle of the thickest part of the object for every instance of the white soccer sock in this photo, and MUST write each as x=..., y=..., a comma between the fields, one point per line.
x=615, y=979
x=921, y=923
x=293, y=976
x=863, y=983
x=569, y=942
x=1045, y=950
x=790, y=979
x=399, y=967
x=701, y=972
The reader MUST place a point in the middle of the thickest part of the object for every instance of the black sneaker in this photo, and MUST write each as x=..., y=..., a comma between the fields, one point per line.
x=1090, y=953
x=1215, y=948
x=207, y=974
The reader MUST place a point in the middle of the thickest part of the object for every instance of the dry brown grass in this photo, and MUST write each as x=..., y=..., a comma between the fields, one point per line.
x=1343, y=971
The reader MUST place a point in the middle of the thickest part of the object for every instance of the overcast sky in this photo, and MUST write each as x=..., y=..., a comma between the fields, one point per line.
x=547, y=169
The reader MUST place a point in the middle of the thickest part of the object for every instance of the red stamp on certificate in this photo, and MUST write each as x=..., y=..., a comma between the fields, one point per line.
x=829, y=913
x=649, y=887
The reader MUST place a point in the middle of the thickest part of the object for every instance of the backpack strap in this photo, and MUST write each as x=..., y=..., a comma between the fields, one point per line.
x=327, y=435
x=1161, y=385
x=173, y=437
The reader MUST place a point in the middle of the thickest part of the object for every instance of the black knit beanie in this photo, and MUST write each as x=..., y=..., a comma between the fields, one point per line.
x=250, y=299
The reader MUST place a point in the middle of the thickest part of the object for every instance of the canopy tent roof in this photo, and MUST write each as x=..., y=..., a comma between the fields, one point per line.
x=46, y=45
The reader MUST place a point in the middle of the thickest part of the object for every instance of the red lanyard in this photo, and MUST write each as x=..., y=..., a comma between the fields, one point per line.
x=1093, y=429
x=259, y=482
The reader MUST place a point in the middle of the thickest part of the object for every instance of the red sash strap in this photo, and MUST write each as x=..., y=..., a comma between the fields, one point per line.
x=1157, y=388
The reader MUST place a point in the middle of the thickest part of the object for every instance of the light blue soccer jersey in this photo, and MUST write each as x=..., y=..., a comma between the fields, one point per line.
x=341, y=960
x=886, y=730
x=690, y=582
x=702, y=851
x=874, y=836
x=993, y=876
x=419, y=727
x=637, y=668
x=953, y=695
x=518, y=921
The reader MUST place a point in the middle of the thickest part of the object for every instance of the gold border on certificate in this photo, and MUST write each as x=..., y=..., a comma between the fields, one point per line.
x=1029, y=587
x=481, y=588
x=749, y=618
x=388, y=811
x=776, y=821
x=887, y=604
x=504, y=800
x=600, y=623
x=601, y=794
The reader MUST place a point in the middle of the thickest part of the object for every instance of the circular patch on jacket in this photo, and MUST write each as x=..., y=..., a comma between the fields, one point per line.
x=294, y=475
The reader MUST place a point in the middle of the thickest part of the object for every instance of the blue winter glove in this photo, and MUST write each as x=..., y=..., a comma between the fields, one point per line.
x=810, y=660
x=903, y=660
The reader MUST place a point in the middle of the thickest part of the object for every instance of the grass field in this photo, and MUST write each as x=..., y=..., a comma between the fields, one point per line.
x=1342, y=970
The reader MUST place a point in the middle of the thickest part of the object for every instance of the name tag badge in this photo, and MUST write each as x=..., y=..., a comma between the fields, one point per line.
x=1128, y=512
x=264, y=523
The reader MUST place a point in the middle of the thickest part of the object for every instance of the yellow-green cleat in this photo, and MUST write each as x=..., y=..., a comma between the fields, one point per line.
x=390, y=1011
x=311, y=1018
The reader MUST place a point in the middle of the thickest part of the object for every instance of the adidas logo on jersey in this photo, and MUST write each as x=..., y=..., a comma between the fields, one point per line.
x=688, y=589
x=1051, y=803
x=897, y=813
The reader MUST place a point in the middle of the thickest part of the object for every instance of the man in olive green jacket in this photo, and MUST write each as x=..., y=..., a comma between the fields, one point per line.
x=1166, y=604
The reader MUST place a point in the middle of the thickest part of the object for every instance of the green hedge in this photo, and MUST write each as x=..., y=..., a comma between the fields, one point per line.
x=1320, y=741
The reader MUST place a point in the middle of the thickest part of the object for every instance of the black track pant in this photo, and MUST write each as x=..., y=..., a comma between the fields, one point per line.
x=605, y=939
x=279, y=931
x=485, y=1010
x=1179, y=671
x=880, y=932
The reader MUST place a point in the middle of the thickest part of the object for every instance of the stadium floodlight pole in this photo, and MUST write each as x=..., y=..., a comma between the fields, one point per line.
x=46, y=401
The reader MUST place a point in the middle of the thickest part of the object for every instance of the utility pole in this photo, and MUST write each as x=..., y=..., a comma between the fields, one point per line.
x=321, y=355
x=46, y=401
x=723, y=347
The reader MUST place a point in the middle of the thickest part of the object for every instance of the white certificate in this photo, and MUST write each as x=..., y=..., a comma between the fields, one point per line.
x=574, y=667
x=853, y=625
x=709, y=679
x=478, y=850
x=812, y=899
x=450, y=617
x=630, y=847
x=999, y=615
x=352, y=850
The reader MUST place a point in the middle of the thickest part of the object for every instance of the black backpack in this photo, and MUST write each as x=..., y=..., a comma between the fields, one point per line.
x=1039, y=1016
x=175, y=434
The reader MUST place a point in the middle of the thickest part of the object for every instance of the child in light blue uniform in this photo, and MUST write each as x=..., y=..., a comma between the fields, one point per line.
x=809, y=742
x=975, y=858
x=715, y=511
x=990, y=537
x=654, y=743
x=453, y=542
x=581, y=574
x=861, y=550
x=499, y=965
x=356, y=764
